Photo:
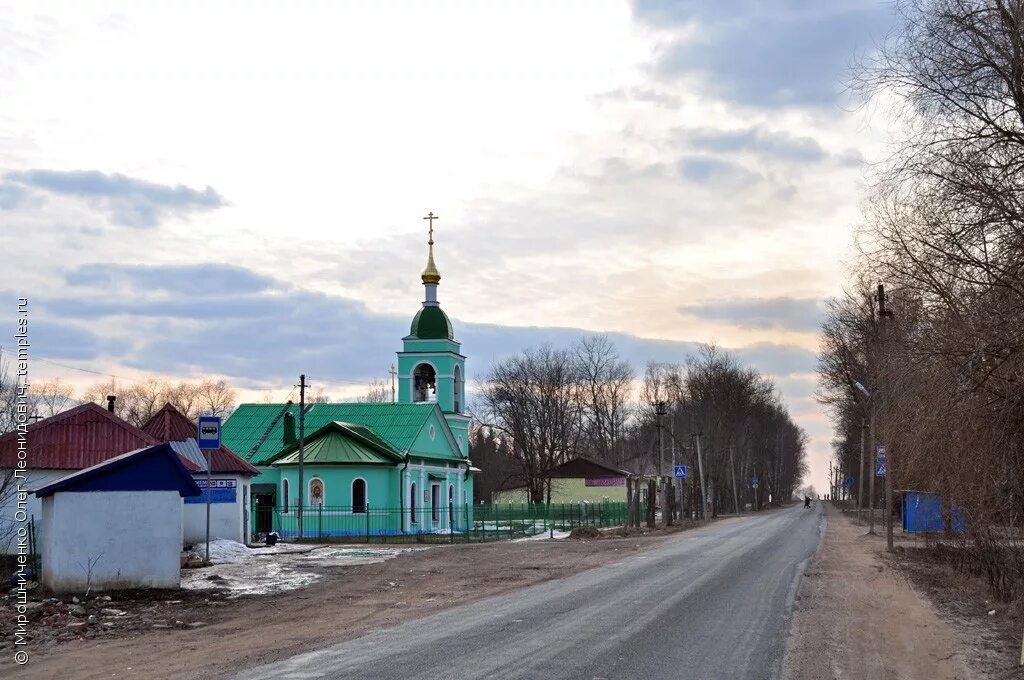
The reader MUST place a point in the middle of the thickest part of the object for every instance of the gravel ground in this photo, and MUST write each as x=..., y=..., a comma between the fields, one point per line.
x=346, y=600
x=989, y=631
x=859, y=618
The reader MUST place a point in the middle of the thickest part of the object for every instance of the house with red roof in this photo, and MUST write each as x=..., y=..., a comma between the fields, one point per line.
x=55, y=447
x=87, y=435
x=230, y=479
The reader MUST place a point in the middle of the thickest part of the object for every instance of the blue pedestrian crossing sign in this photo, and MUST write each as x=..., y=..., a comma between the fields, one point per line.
x=881, y=464
x=209, y=432
x=679, y=471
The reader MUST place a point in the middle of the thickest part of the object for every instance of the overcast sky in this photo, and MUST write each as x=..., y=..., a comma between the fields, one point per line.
x=235, y=188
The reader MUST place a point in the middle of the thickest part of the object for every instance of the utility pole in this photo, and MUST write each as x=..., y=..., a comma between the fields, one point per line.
x=302, y=442
x=735, y=493
x=659, y=413
x=703, y=485
x=860, y=473
x=871, y=472
x=884, y=314
x=393, y=373
x=677, y=483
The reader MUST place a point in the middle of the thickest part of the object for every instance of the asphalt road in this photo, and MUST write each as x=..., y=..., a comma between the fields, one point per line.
x=709, y=603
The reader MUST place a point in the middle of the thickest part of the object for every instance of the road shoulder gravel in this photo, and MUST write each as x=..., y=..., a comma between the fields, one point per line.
x=857, y=618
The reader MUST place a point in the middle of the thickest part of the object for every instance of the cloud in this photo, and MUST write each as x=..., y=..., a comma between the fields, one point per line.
x=268, y=334
x=206, y=279
x=789, y=52
x=705, y=169
x=799, y=314
x=12, y=196
x=780, y=145
x=129, y=201
x=644, y=95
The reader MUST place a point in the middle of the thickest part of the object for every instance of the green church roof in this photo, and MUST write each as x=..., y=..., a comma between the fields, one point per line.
x=431, y=323
x=247, y=425
x=339, y=444
x=394, y=425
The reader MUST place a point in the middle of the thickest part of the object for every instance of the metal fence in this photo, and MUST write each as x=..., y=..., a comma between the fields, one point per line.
x=484, y=522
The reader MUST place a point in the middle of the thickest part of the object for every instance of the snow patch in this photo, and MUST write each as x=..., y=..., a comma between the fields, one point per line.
x=223, y=551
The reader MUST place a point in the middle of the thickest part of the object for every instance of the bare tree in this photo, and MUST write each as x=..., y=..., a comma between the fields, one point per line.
x=606, y=382
x=52, y=397
x=534, y=400
x=377, y=392
x=139, y=401
x=944, y=230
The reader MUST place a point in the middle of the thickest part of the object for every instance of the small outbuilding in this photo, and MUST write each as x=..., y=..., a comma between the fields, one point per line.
x=117, y=524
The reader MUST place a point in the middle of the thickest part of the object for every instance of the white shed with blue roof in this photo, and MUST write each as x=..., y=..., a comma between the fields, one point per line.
x=117, y=524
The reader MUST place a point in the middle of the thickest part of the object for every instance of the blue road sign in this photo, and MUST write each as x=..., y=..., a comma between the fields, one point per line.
x=848, y=482
x=881, y=465
x=679, y=471
x=209, y=432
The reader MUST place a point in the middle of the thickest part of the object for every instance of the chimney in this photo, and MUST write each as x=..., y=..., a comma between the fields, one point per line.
x=289, y=429
x=110, y=402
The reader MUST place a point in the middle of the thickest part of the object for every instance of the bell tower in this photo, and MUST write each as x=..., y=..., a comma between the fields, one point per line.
x=431, y=367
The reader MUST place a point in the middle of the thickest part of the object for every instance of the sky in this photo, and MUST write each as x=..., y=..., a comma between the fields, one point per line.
x=235, y=189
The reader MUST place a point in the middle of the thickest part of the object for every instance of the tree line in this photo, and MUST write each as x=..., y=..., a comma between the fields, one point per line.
x=545, y=406
x=940, y=381
x=136, y=401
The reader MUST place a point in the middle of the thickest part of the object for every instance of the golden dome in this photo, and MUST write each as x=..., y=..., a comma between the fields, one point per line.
x=430, y=273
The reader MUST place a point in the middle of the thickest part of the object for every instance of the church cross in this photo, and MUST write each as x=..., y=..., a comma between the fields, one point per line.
x=431, y=216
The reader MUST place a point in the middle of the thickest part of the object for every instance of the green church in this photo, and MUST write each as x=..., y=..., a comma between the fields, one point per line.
x=370, y=468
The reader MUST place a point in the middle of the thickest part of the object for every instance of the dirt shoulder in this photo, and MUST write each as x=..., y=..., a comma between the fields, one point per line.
x=989, y=631
x=345, y=602
x=859, y=618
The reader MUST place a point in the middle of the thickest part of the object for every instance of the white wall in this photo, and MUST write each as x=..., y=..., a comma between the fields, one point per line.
x=35, y=478
x=226, y=519
x=131, y=538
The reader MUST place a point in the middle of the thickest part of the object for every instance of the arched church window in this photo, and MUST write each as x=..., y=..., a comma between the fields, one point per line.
x=359, y=495
x=316, y=492
x=458, y=390
x=412, y=503
x=424, y=383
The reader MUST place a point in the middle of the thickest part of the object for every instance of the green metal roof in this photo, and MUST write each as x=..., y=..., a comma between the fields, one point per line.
x=340, y=444
x=246, y=426
x=431, y=323
x=396, y=425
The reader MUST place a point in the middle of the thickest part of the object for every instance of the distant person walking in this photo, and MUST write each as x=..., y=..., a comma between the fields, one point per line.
x=807, y=501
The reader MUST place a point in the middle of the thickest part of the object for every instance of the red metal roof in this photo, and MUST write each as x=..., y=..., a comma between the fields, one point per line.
x=225, y=460
x=171, y=425
x=77, y=438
